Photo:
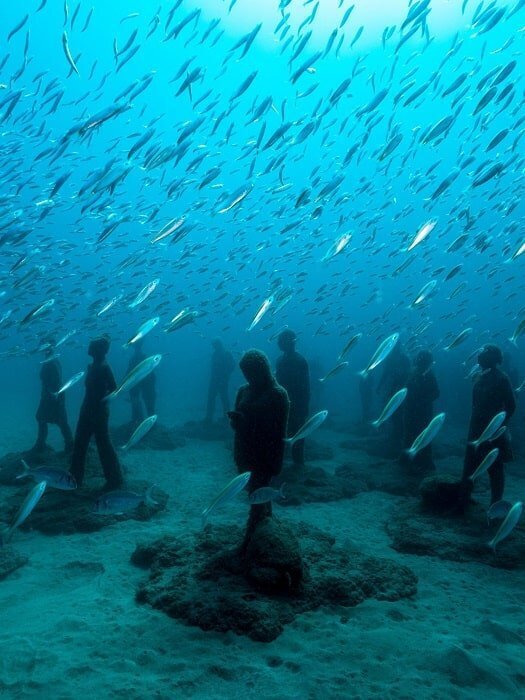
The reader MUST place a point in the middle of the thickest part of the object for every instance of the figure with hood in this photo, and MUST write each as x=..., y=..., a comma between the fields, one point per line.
x=52, y=407
x=491, y=394
x=292, y=373
x=259, y=421
x=93, y=420
x=418, y=407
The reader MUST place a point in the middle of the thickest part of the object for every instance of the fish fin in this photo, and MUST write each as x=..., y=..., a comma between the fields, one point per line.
x=111, y=396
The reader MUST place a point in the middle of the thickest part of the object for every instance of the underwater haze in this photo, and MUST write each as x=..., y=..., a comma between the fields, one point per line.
x=346, y=169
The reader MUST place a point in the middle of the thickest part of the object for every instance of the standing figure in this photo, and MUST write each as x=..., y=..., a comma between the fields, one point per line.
x=52, y=408
x=491, y=394
x=94, y=418
x=259, y=421
x=396, y=369
x=222, y=365
x=145, y=391
x=293, y=374
x=418, y=407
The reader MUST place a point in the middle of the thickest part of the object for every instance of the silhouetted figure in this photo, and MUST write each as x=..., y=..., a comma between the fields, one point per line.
x=292, y=374
x=144, y=394
x=222, y=364
x=259, y=421
x=396, y=369
x=418, y=407
x=52, y=408
x=94, y=418
x=491, y=394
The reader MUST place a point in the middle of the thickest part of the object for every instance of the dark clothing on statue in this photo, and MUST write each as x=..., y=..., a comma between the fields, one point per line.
x=94, y=422
x=417, y=411
x=52, y=409
x=259, y=421
x=491, y=394
x=142, y=393
x=222, y=365
x=396, y=369
x=292, y=373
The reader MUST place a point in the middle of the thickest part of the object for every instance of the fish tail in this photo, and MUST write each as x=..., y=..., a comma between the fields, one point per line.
x=474, y=444
x=363, y=373
x=513, y=341
x=375, y=423
x=204, y=517
x=492, y=545
x=281, y=492
x=111, y=396
x=410, y=453
x=288, y=441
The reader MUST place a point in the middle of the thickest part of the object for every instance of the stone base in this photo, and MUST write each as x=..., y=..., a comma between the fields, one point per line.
x=202, y=580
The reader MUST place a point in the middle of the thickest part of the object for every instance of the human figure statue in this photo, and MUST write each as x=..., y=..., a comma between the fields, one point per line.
x=418, y=408
x=52, y=408
x=396, y=369
x=94, y=418
x=491, y=394
x=143, y=395
x=292, y=373
x=222, y=365
x=259, y=421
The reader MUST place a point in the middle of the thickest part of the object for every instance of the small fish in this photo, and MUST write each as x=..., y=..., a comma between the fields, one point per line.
x=339, y=244
x=427, y=435
x=382, y=352
x=181, y=319
x=489, y=460
x=490, y=431
x=520, y=329
x=109, y=304
x=136, y=375
x=144, y=329
x=37, y=311
x=266, y=494
x=335, y=370
x=262, y=310
x=350, y=344
x=53, y=476
x=67, y=52
x=311, y=424
x=140, y=431
x=24, y=511
x=423, y=232
x=508, y=525
x=74, y=379
x=234, y=487
x=144, y=293
x=391, y=407
x=425, y=292
x=460, y=338
x=120, y=502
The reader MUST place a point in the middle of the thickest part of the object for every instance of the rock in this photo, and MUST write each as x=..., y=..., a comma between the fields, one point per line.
x=69, y=512
x=160, y=437
x=468, y=671
x=315, y=485
x=383, y=475
x=414, y=530
x=273, y=558
x=202, y=580
x=445, y=494
x=10, y=560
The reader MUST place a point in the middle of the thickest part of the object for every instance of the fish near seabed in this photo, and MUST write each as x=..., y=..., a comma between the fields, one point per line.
x=120, y=502
x=235, y=486
x=507, y=526
x=55, y=477
x=24, y=511
x=141, y=430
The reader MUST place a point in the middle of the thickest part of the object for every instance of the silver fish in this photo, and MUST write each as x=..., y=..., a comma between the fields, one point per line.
x=508, y=525
x=266, y=494
x=120, y=502
x=234, y=487
x=140, y=431
x=393, y=404
x=24, y=511
x=55, y=477
x=382, y=352
x=70, y=382
x=491, y=429
x=136, y=375
x=427, y=435
x=311, y=424
x=488, y=461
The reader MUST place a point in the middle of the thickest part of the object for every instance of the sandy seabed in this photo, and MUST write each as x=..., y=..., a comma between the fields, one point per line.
x=70, y=624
